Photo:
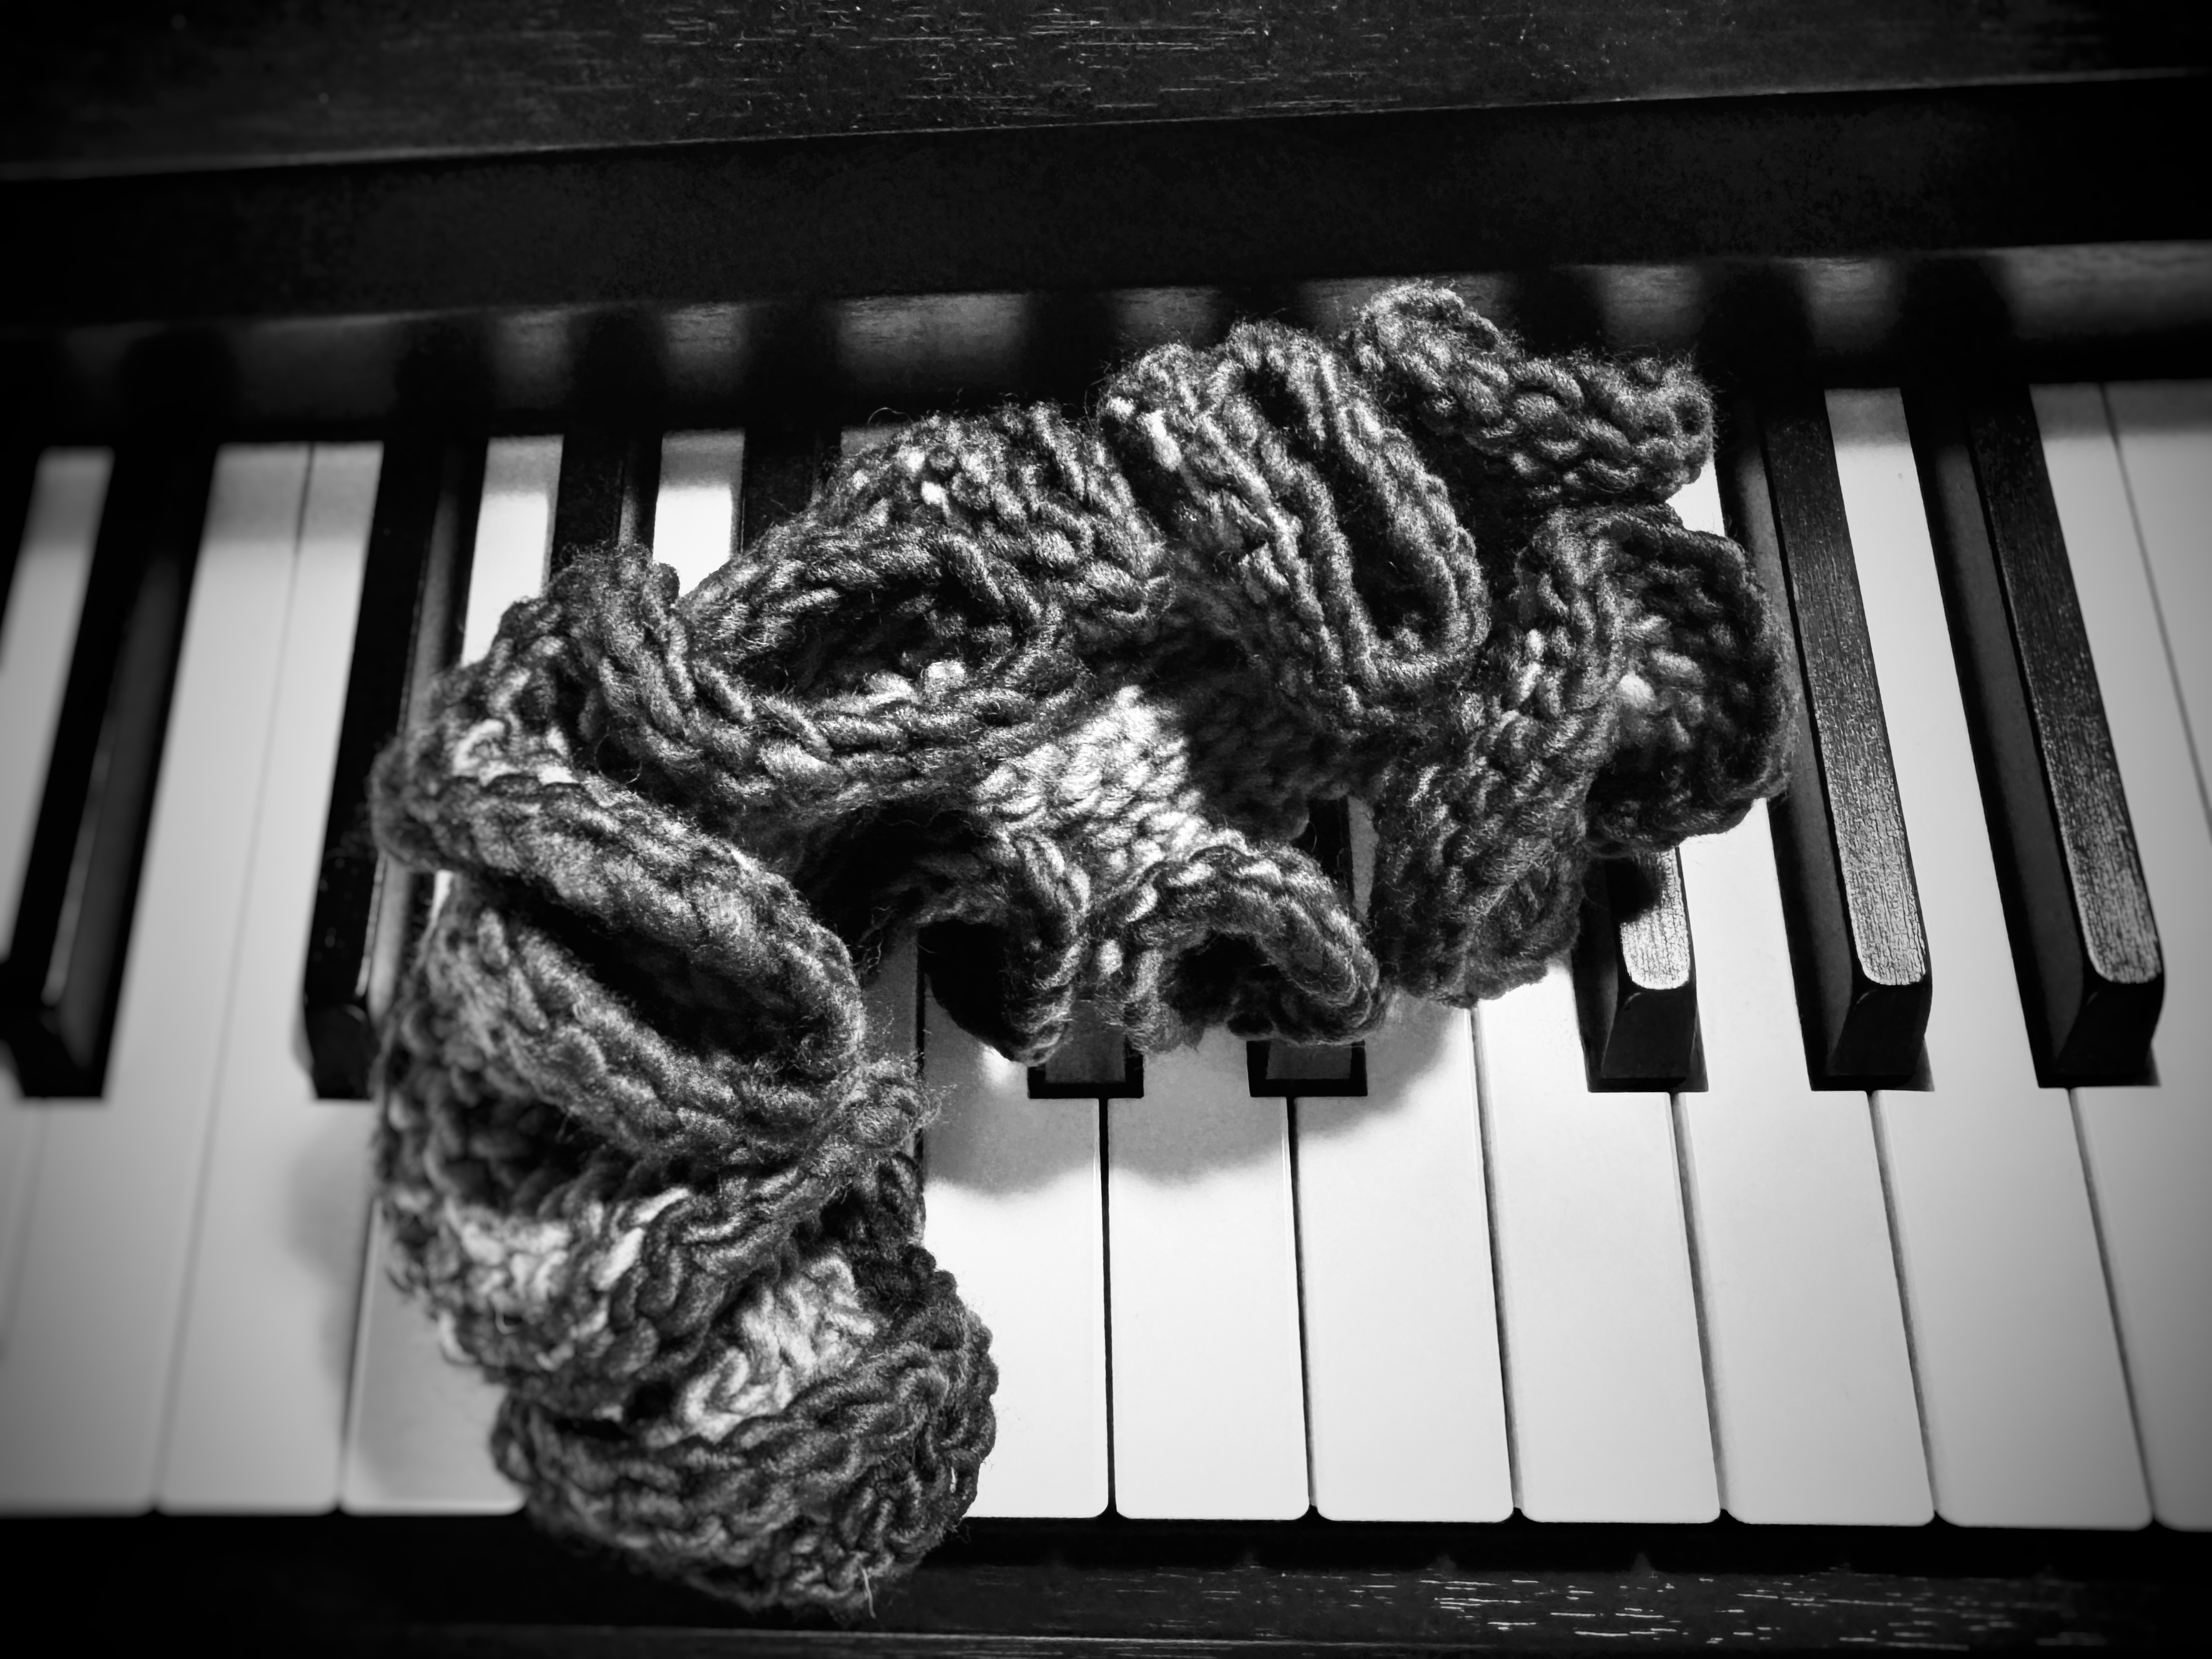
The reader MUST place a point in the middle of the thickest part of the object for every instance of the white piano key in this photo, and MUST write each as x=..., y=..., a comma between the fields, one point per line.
x=1209, y=1408
x=2148, y=1149
x=514, y=534
x=1014, y=1192
x=2165, y=431
x=694, y=518
x=1605, y=1382
x=47, y=592
x=257, y=1415
x=84, y=1379
x=2021, y=1387
x=1405, y=1396
x=22, y=1130
x=419, y=1425
x=1812, y=1385
x=1698, y=504
x=418, y=1428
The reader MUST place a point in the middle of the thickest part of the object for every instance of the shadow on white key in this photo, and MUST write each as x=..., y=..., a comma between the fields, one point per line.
x=2019, y=1370
x=1605, y=1383
x=1405, y=1397
x=1011, y=1187
x=2165, y=431
x=1208, y=1402
x=2150, y=1148
x=1812, y=1384
x=258, y=1413
x=418, y=1424
x=83, y=1380
x=36, y=638
x=695, y=517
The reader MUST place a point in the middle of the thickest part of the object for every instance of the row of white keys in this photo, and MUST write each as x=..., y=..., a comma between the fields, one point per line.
x=2021, y=1392
x=1405, y=1394
x=419, y=1425
x=256, y=1412
x=1811, y=1383
x=46, y=596
x=83, y=1379
x=2149, y=1149
x=1013, y=1192
x=2165, y=432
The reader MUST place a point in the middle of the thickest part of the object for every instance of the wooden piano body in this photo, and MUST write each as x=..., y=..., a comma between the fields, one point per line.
x=328, y=225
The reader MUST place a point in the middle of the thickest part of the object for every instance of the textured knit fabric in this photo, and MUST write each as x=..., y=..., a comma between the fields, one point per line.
x=1052, y=695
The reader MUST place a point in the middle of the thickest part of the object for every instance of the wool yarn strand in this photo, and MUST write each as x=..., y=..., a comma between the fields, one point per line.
x=1051, y=695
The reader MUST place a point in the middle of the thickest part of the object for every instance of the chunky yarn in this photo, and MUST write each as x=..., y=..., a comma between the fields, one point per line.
x=1054, y=697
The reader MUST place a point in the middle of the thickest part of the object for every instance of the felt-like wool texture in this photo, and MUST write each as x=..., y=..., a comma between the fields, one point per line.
x=1052, y=695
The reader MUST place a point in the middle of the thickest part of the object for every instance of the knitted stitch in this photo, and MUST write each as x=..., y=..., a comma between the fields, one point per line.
x=1052, y=695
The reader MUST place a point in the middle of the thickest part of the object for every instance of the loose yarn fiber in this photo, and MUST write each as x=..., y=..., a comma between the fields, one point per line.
x=1052, y=695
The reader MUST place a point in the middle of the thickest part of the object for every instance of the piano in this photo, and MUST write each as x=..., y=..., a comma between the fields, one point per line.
x=1818, y=1259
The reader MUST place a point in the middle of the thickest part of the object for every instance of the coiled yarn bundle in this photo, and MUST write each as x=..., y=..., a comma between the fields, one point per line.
x=1053, y=695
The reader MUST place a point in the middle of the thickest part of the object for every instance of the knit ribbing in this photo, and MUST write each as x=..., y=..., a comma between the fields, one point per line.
x=1053, y=696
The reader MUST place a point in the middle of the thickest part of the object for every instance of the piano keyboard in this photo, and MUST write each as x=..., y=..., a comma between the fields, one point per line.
x=1969, y=1290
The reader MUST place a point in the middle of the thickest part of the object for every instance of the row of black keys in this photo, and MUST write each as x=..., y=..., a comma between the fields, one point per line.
x=2084, y=942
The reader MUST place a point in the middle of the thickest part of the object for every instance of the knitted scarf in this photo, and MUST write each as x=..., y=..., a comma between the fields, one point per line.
x=1052, y=695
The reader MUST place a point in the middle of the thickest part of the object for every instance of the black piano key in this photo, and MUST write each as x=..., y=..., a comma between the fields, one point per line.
x=366, y=908
x=1636, y=986
x=610, y=484
x=784, y=467
x=19, y=466
x=2083, y=937
x=1094, y=1061
x=64, y=967
x=1277, y=1069
x=1850, y=899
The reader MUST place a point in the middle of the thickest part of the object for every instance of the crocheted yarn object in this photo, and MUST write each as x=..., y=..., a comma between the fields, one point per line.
x=1053, y=695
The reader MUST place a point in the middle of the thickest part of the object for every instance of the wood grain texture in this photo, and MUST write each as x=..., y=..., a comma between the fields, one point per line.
x=1832, y=177
x=494, y=1585
x=230, y=83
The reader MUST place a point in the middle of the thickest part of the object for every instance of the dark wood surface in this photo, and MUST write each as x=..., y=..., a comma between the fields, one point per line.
x=1115, y=1588
x=1656, y=183
x=201, y=83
